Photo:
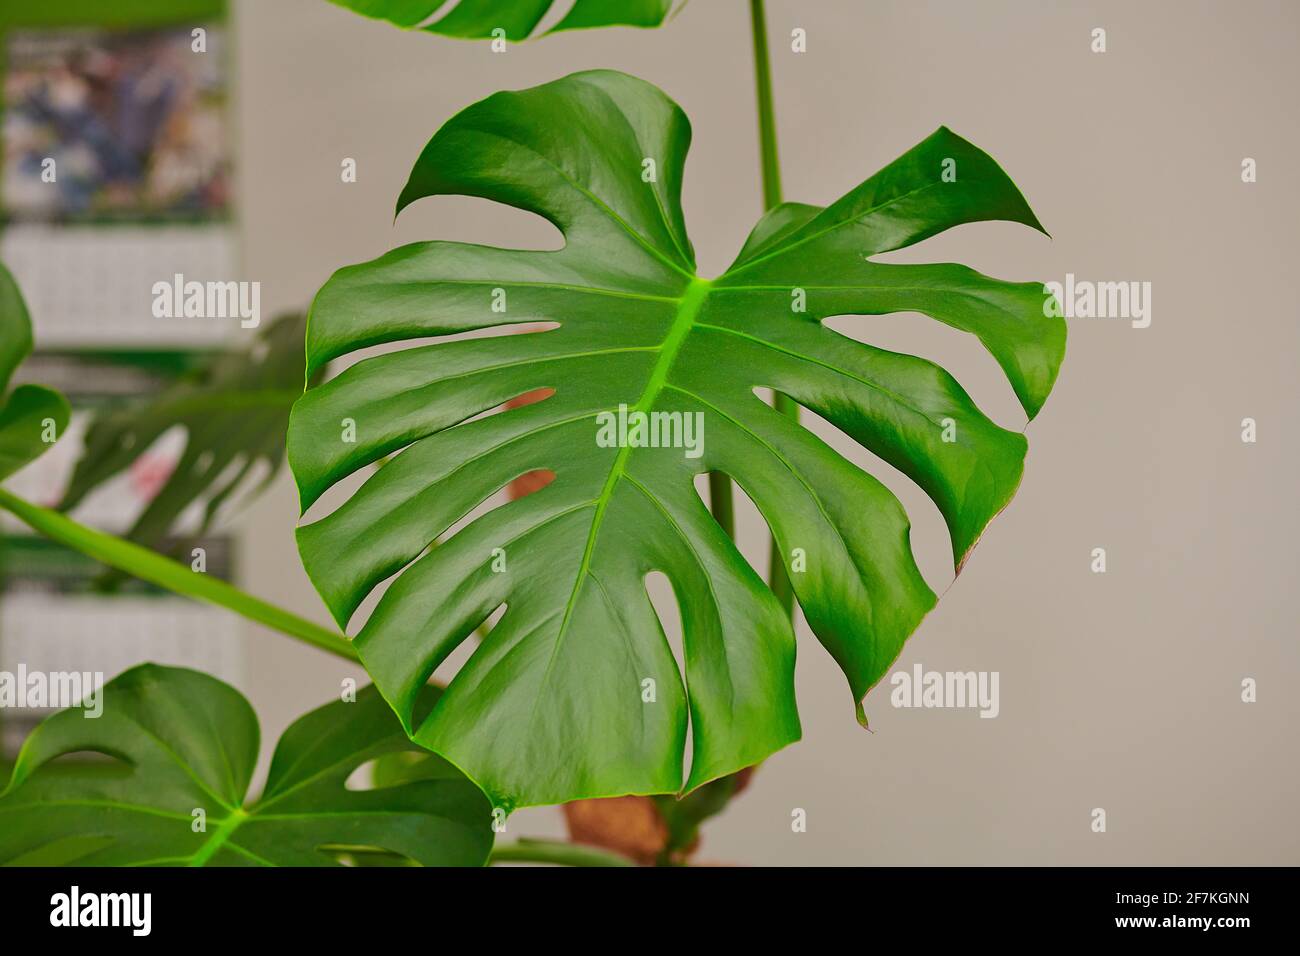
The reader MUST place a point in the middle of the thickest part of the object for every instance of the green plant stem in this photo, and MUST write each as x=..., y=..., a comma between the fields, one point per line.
x=549, y=851
x=771, y=163
x=777, y=578
x=172, y=575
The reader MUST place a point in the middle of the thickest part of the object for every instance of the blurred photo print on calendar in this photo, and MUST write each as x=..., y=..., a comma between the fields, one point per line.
x=115, y=173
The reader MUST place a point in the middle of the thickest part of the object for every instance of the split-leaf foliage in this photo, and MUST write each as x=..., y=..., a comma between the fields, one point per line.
x=552, y=705
x=181, y=749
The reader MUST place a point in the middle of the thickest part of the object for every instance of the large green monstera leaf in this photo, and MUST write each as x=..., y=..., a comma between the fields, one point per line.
x=32, y=417
x=184, y=742
x=477, y=19
x=576, y=692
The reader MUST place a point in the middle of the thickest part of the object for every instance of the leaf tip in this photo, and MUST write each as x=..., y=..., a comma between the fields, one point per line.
x=861, y=714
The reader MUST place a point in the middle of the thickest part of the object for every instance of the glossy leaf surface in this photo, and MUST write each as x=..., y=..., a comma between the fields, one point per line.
x=554, y=705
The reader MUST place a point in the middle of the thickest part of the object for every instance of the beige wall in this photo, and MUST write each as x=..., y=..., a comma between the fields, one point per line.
x=1119, y=690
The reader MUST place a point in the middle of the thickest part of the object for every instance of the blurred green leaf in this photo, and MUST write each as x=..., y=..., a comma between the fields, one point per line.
x=234, y=410
x=33, y=417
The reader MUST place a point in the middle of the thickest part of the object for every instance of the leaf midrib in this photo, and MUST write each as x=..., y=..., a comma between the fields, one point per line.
x=688, y=309
x=208, y=402
x=220, y=836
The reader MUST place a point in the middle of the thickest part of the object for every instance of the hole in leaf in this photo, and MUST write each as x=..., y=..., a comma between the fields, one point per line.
x=98, y=763
x=663, y=599
x=398, y=769
x=960, y=353
x=476, y=220
x=931, y=546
